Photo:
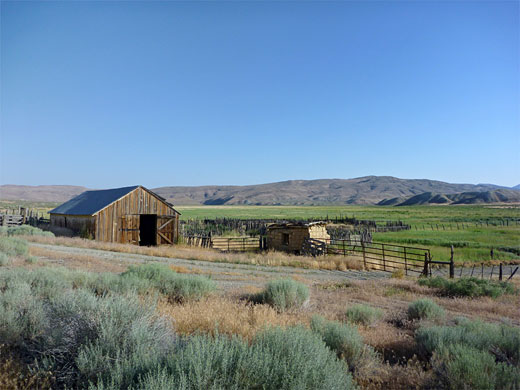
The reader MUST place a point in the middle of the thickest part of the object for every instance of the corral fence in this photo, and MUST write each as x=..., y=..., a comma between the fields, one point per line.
x=412, y=260
x=227, y=244
x=375, y=255
x=22, y=216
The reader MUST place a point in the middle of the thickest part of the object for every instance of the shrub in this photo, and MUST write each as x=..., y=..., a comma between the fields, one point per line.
x=294, y=358
x=500, y=339
x=343, y=339
x=474, y=354
x=363, y=314
x=13, y=246
x=469, y=287
x=425, y=309
x=4, y=259
x=177, y=287
x=24, y=230
x=284, y=294
x=31, y=259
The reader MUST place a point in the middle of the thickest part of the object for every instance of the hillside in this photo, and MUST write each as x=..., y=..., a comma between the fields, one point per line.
x=363, y=190
x=471, y=197
x=46, y=193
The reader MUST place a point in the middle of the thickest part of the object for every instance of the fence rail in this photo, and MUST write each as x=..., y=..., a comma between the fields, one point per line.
x=226, y=244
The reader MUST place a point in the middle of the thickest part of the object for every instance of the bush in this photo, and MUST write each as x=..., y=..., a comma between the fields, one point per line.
x=363, y=314
x=425, y=309
x=474, y=354
x=469, y=287
x=343, y=339
x=175, y=286
x=4, y=259
x=24, y=230
x=293, y=358
x=285, y=294
x=13, y=246
x=500, y=339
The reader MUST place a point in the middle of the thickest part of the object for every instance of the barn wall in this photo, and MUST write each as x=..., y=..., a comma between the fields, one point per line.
x=80, y=224
x=139, y=201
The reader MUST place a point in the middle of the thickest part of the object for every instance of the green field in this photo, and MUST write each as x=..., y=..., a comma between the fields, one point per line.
x=472, y=230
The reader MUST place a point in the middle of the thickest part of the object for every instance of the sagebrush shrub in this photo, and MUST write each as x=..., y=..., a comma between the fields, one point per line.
x=24, y=230
x=425, y=309
x=4, y=259
x=285, y=294
x=469, y=287
x=12, y=246
x=343, y=339
x=363, y=314
x=175, y=286
x=293, y=358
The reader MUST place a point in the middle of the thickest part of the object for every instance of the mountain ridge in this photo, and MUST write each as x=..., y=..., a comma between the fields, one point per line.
x=365, y=190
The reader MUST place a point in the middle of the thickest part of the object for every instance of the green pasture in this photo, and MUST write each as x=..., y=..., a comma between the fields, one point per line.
x=472, y=230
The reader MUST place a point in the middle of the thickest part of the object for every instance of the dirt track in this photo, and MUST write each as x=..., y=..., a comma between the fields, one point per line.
x=228, y=275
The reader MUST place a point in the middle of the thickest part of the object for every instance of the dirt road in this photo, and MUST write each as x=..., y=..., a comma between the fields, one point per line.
x=228, y=275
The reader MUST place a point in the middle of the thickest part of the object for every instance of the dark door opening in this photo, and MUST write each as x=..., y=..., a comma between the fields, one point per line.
x=148, y=229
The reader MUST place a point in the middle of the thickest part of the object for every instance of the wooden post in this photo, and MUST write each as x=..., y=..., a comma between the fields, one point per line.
x=491, y=253
x=452, y=264
x=500, y=272
x=364, y=255
x=460, y=275
x=425, y=270
x=384, y=260
x=405, y=263
x=492, y=269
x=482, y=271
x=473, y=269
x=344, y=253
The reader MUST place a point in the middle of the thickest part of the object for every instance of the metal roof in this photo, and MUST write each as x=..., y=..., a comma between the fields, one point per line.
x=90, y=202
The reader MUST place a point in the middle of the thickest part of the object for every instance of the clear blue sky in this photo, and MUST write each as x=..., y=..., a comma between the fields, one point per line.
x=107, y=94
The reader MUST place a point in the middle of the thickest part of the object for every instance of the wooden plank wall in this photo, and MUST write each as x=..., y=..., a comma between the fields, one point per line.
x=139, y=201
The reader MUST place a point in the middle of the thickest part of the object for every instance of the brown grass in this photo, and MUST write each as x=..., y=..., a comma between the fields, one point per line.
x=14, y=375
x=269, y=258
x=78, y=261
x=226, y=316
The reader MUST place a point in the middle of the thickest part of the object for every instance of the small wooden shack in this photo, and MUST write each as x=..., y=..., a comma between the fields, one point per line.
x=289, y=237
x=132, y=215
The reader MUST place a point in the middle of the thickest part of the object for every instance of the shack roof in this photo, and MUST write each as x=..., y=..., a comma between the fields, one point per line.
x=285, y=225
x=90, y=202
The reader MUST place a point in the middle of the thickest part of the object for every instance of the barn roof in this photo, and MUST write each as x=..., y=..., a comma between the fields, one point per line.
x=89, y=202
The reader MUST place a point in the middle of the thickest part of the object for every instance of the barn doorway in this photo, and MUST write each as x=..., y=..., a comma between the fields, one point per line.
x=148, y=229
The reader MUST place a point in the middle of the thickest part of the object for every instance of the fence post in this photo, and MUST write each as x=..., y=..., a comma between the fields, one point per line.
x=384, y=261
x=425, y=271
x=405, y=263
x=364, y=255
x=500, y=272
x=452, y=265
x=344, y=253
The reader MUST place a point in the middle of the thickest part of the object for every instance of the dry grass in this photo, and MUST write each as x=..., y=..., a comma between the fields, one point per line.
x=14, y=375
x=270, y=258
x=226, y=316
x=78, y=261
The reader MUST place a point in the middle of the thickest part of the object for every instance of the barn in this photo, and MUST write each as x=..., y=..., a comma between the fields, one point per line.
x=131, y=215
x=289, y=237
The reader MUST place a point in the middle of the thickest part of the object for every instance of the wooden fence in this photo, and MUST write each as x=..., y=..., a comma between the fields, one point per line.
x=227, y=244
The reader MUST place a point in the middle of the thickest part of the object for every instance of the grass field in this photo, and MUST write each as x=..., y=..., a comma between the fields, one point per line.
x=472, y=230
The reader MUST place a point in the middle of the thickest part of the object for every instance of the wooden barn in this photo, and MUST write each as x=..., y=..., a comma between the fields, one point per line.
x=131, y=215
x=289, y=237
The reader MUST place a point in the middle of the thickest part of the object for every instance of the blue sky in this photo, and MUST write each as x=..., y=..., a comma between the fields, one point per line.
x=106, y=94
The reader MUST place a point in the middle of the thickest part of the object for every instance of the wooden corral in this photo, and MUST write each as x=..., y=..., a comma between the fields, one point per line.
x=289, y=237
x=133, y=215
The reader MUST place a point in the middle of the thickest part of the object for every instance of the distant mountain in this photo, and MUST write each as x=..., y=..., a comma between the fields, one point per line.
x=517, y=187
x=362, y=190
x=472, y=197
x=48, y=193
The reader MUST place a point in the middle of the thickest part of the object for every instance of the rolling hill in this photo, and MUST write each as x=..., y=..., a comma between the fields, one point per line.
x=472, y=197
x=363, y=190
